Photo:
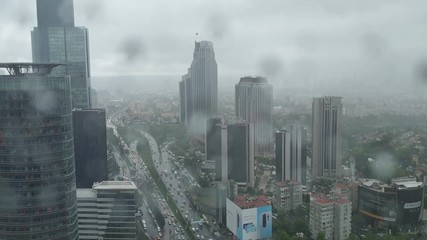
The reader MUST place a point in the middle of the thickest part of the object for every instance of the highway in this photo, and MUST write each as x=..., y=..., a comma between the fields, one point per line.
x=178, y=182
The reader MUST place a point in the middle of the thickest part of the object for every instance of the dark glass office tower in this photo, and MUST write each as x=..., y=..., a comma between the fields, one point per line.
x=57, y=40
x=55, y=13
x=186, y=104
x=231, y=147
x=90, y=146
x=37, y=178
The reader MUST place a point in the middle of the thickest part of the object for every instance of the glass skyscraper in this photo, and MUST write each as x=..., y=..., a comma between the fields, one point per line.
x=254, y=104
x=37, y=173
x=199, y=89
x=326, y=137
x=57, y=40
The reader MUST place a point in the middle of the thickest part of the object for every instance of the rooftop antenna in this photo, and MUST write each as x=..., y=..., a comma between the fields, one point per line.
x=197, y=37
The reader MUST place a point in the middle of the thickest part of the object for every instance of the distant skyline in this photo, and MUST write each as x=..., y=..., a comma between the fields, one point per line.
x=292, y=43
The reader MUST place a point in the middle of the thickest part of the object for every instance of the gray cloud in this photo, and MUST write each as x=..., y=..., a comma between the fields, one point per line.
x=374, y=44
x=351, y=44
x=271, y=66
x=219, y=25
x=93, y=10
x=421, y=70
x=132, y=48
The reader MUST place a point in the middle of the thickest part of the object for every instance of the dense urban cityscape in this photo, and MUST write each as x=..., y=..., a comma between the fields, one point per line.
x=183, y=158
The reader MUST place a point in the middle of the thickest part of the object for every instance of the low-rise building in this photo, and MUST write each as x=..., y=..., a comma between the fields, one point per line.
x=392, y=206
x=249, y=217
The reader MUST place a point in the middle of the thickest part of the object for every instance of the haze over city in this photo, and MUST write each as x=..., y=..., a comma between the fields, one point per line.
x=324, y=47
x=213, y=120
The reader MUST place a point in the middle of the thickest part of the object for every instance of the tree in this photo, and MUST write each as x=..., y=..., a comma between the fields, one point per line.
x=321, y=236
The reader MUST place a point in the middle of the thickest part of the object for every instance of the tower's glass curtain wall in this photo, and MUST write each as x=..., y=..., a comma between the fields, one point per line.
x=37, y=179
x=254, y=104
x=327, y=114
x=199, y=88
x=57, y=40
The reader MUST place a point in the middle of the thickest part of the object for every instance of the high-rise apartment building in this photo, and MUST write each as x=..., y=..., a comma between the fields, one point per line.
x=90, y=146
x=326, y=137
x=287, y=195
x=330, y=215
x=57, y=40
x=291, y=154
x=231, y=147
x=199, y=89
x=254, y=104
x=107, y=211
x=37, y=173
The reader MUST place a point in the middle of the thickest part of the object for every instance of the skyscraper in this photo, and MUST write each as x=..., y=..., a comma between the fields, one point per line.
x=186, y=104
x=232, y=149
x=90, y=146
x=57, y=40
x=200, y=96
x=327, y=114
x=37, y=178
x=254, y=104
x=212, y=136
x=291, y=154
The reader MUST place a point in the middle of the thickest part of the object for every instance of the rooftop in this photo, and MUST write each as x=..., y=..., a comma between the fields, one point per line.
x=114, y=185
x=25, y=68
x=246, y=201
x=399, y=183
x=329, y=199
x=85, y=193
x=287, y=183
x=251, y=79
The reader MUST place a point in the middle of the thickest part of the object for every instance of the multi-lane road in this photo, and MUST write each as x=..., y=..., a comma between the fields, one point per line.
x=178, y=182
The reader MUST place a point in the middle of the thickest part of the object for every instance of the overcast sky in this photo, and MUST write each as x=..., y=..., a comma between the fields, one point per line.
x=289, y=41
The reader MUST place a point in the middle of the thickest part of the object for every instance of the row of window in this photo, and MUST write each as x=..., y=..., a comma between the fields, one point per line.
x=35, y=149
x=18, y=115
x=35, y=122
x=12, y=168
x=40, y=158
x=39, y=206
x=46, y=139
x=33, y=84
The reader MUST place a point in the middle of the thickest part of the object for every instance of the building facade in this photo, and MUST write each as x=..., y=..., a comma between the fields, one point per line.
x=57, y=40
x=250, y=217
x=107, y=211
x=254, y=104
x=231, y=147
x=37, y=172
x=291, y=154
x=90, y=146
x=397, y=205
x=199, y=89
x=326, y=137
x=330, y=215
x=287, y=195
x=185, y=98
